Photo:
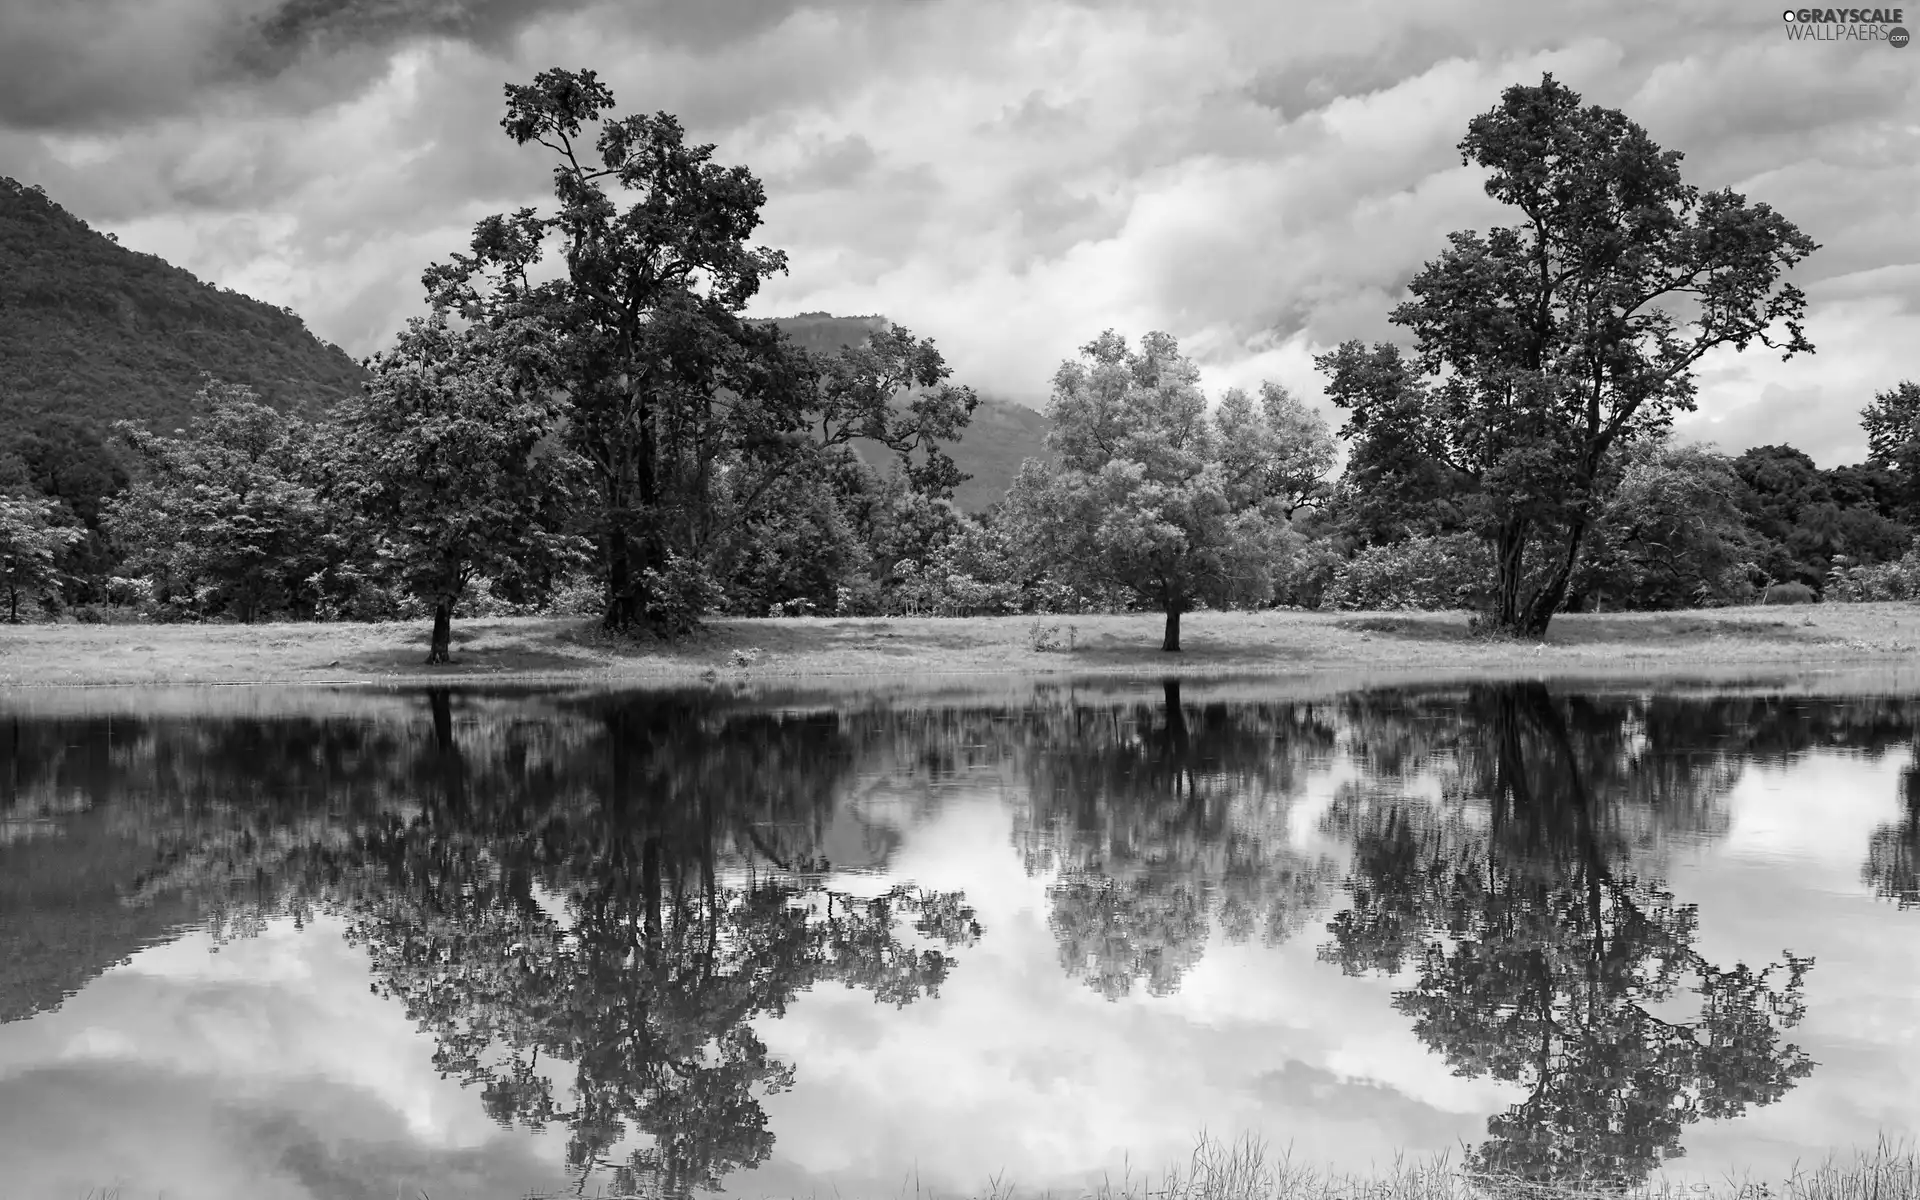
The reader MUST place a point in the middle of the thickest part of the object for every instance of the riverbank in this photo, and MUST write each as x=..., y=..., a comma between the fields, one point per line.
x=825, y=649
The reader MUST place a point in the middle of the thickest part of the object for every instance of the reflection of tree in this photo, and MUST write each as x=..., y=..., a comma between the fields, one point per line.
x=1892, y=868
x=589, y=925
x=1161, y=824
x=1536, y=962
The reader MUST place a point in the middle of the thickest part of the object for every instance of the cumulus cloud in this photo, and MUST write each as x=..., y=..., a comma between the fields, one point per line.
x=1009, y=178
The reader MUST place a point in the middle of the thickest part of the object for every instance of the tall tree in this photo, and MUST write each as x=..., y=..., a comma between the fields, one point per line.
x=1558, y=339
x=1147, y=495
x=455, y=455
x=655, y=357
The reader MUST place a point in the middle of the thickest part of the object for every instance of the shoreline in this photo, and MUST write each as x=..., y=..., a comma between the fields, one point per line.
x=861, y=653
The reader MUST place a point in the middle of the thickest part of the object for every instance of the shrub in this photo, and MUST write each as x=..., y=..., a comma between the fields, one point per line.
x=1898, y=580
x=581, y=596
x=1455, y=571
x=1045, y=636
x=1787, y=593
x=1302, y=581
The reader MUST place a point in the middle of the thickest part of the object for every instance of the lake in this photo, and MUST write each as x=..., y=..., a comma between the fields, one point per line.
x=335, y=943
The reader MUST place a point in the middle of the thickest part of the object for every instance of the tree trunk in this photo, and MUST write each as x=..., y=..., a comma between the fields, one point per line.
x=1510, y=548
x=442, y=631
x=1547, y=600
x=13, y=603
x=618, y=611
x=1171, y=642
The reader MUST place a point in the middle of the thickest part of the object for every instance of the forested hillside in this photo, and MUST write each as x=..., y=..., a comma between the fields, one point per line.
x=1001, y=435
x=92, y=330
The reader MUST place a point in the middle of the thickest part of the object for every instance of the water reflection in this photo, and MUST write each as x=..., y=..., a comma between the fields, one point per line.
x=591, y=906
x=1538, y=954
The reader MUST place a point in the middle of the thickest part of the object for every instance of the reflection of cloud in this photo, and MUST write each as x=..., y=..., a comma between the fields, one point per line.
x=1008, y=178
x=266, y=1069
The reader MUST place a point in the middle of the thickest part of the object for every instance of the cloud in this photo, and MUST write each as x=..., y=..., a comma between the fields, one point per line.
x=1009, y=178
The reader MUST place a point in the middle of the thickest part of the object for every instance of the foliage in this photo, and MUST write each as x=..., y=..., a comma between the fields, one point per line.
x=230, y=517
x=1892, y=423
x=1670, y=535
x=1278, y=455
x=1418, y=573
x=96, y=333
x=1557, y=340
x=32, y=535
x=1303, y=579
x=1855, y=582
x=1804, y=518
x=1147, y=495
x=453, y=455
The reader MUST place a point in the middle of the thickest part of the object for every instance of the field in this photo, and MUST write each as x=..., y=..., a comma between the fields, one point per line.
x=1379, y=646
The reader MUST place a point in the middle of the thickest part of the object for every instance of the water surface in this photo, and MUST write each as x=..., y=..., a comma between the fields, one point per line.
x=342, y=944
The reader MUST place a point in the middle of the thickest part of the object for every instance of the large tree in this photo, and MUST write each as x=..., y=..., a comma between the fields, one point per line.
x=662, y=375
x=1152, y=495
x=1575, y=331
x=454, y=454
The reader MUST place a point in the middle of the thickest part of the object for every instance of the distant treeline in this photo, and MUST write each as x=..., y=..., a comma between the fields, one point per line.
x=621, y=442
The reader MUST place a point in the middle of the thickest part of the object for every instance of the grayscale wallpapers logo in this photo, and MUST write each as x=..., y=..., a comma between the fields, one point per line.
x=1847, y=25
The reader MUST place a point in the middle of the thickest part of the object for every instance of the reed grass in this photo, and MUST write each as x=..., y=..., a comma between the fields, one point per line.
x=1245, y=1169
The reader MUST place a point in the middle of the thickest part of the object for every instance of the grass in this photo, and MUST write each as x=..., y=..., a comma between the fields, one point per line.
x=1245, y=1170
x=548, y=649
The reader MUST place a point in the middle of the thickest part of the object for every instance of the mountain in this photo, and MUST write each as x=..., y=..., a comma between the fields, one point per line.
x=1001, y=435
x=91, y=329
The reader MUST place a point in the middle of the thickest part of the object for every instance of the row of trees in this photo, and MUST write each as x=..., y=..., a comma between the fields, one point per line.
x=617, y=435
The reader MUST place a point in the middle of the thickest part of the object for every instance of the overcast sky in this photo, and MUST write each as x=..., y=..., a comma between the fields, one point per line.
x=1009, y=177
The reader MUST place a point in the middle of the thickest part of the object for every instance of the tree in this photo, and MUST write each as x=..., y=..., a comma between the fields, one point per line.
x=229, y=516
x=1806, y=518
x=1892, y=422
x=1553, y=342
x=1671, y=534
x=661, y=374
x=1280, y=453
x=31, y=539
x=1147, y=496
x=455, y=455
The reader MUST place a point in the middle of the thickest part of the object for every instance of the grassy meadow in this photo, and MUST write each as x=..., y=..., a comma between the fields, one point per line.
x=1277, y=642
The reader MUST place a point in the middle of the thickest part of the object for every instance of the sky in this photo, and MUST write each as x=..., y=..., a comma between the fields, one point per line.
x=1007, y=177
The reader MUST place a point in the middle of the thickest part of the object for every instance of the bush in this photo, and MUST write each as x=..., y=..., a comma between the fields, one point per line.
x=1303, y=580
x=1455, y=571
x=1046, y=636
x=578, y=597
x=1787, y=593
x=680, y=595
x=1899, y=580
